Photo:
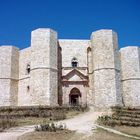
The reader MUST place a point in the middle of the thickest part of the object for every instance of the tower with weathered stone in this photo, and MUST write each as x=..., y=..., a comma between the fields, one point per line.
x=106, y=69
x=9, y=58
x=69, y=72
x=44, y=72
x=130, y=69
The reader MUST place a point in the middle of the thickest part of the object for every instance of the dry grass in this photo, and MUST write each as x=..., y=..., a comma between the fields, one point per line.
x=11, y=122
x=71, y=135
x=40, y=120
x=7, y=123
x=104, y=135
x=59, y=135
x=71, y=114
x=31, y=121
x=128, y=130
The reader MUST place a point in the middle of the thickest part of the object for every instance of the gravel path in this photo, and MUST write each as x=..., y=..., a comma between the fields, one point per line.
x=14, y=133
x=83, y=123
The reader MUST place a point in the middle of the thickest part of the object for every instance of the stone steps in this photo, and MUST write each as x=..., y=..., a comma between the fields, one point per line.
x=127, y=123
x=127, y=112
x=126, y=116
x=129, y=119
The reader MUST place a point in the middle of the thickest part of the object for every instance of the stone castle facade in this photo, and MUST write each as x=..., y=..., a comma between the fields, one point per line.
x=56, y=71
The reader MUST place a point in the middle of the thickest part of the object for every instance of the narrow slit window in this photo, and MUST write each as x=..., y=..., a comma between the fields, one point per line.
x=28, y=69
x=28, y=88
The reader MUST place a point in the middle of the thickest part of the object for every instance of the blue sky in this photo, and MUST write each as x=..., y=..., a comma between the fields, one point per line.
x=72, y=19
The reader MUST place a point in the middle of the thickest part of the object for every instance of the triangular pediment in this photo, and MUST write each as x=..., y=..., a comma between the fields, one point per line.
x=75, y=75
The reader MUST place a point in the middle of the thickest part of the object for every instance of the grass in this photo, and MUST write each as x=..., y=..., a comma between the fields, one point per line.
x=59, y=135
x=39, y=120
x=31, y=121
x=108, y=122
x=130, y=130
x=71, y=135
x=105, y=135
x=135, y=131
x=6, y=123
x=71, y=114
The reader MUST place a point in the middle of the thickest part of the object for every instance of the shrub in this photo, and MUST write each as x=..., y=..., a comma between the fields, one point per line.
x=106, y=120
x=50, y=127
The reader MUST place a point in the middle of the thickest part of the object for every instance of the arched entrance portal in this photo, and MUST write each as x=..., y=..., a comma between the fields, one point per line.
x=74, y=97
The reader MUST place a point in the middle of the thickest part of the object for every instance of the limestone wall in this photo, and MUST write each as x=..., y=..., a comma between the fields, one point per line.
x=106, y=69
x=99, y=59
x=130, y=68
x=24, y=94
x=74, y=48
x=14, y=76
x=8, y=75
x=78, y=49
x=44, y=67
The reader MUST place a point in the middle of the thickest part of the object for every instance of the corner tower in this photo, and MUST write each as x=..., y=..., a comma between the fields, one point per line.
x=130, y=68
x=44, y=72
x=9, y=70
x=106, y=69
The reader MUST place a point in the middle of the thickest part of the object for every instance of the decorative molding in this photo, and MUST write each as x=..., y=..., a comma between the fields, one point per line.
x=70, y=68
x=129, y=79
x=10, y=79
x=104, y=69
x=16, y=79
x=75, y=71
x=53, y=69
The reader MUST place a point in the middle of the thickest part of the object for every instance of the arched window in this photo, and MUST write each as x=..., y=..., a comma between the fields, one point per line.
x=74, y=62
x=28, y=68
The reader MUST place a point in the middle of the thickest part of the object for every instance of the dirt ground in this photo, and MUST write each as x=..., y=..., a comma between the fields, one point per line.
x=71, y=135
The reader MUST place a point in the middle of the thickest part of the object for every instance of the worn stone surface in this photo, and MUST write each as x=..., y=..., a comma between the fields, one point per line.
x=44, y=70
x=130, y=68
x=106, y=69
x=74, y=49
x=24, y=95
x=9, y=60
x=43, y=74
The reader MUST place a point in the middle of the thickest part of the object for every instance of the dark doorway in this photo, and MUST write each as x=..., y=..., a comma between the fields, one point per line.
x=74, y=100
x=74, y=97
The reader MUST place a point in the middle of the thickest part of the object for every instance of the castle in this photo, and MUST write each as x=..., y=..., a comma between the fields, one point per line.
x=65, y=72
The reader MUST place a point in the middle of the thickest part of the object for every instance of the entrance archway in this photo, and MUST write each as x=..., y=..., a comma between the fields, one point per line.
x=74, y=97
